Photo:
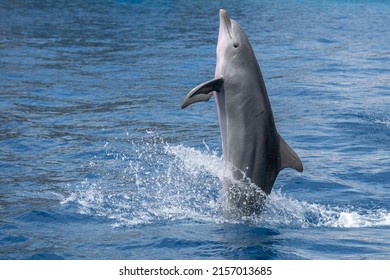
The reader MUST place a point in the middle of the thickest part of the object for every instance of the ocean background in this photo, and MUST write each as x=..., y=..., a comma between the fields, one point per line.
x=98, y=161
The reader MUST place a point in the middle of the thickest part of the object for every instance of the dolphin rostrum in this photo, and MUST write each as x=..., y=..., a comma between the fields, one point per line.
x=253, y=151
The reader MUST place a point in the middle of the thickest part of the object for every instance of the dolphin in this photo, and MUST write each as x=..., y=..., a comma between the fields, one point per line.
x=253, y=151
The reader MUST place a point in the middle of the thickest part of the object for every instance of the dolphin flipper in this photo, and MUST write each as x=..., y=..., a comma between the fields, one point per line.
x=288, y=158
x=202, y=92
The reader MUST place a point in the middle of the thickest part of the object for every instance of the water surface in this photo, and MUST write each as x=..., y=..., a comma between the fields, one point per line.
x=98, y=161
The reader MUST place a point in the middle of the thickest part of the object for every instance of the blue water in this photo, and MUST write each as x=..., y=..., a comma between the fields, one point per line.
x=98, y=161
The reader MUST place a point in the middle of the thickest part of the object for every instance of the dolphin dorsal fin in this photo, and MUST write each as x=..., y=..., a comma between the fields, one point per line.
x=202, y=92
x=288, y=158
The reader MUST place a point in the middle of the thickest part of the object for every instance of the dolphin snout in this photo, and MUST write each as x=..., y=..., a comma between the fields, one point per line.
x=224, y=22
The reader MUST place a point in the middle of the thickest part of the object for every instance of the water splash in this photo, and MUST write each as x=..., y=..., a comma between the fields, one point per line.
x=154, y=182
x=147, y=182
x=283, y=211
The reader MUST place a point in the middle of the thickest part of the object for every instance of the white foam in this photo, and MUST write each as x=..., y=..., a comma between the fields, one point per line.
x=173, y=182
x=285, y=211
x=357, y=220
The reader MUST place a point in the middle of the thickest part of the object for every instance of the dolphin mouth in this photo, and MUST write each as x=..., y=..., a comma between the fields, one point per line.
x=225, y=22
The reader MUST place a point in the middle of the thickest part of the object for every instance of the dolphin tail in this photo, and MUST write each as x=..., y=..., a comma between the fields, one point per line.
x=202, y=92
x=288, y=158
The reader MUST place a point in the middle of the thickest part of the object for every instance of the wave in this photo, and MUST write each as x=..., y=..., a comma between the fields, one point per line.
x=156, y=182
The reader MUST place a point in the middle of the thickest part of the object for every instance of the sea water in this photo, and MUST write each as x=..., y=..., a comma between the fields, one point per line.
x=98, y=161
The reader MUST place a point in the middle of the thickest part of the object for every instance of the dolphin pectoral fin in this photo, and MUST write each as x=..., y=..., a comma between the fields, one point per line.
x=202, y=92
x=196, y=98
x=288, y=158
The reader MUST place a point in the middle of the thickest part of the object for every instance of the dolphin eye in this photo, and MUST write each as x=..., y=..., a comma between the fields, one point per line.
x=235, y=45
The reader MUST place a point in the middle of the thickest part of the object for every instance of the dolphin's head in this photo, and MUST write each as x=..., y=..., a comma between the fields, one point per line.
x=233, y=45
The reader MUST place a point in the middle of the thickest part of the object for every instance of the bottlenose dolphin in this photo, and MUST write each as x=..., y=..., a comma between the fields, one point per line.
x=253, y=151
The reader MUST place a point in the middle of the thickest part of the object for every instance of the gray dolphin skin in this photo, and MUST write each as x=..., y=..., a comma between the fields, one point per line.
x=253, y=151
